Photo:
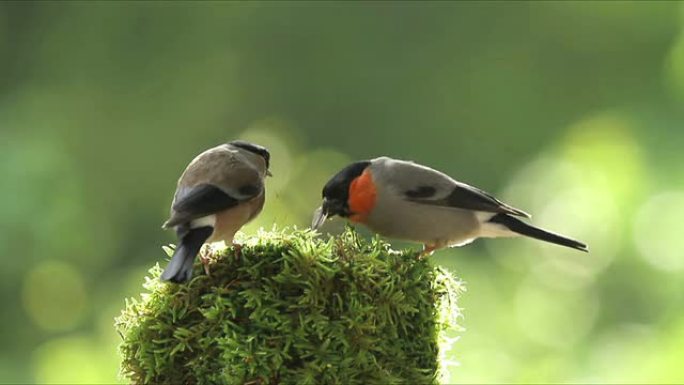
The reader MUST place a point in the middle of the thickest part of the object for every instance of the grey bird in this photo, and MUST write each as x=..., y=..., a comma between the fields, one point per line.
x=219, y=192
x=408, y=201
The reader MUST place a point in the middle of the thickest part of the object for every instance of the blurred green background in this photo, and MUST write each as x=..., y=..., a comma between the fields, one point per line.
x=569, y=110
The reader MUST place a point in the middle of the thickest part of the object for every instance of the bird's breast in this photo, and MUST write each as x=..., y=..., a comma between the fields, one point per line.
x=362, y=196
x=229, y=221
x=397, y=218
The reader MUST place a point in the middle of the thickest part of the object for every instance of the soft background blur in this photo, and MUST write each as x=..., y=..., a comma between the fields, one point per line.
x=571, y=111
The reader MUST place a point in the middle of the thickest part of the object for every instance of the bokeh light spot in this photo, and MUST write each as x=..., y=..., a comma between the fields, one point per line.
x=54, y=296
x=658, y=231
x=74, y=360
x=607, y=154
x=618, y=354
x=556, y=320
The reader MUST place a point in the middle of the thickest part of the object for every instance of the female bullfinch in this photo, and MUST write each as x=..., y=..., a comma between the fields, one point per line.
x=220, y=191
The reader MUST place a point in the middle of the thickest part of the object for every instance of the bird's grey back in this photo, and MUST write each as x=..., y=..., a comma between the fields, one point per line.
x=403, y=176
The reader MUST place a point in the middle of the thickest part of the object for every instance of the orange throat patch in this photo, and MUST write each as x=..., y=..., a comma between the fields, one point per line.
x=362, y=194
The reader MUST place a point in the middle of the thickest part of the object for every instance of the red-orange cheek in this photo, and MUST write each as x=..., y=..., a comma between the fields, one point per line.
x=362, y=195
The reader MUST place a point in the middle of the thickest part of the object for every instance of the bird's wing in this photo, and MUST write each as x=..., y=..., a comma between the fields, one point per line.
x=206, y=199
x=465, y=197
x=425, y=185
x=214, y=181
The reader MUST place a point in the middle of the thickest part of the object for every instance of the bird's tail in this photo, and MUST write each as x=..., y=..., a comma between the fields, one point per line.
x=519, y=227
x=179, y=269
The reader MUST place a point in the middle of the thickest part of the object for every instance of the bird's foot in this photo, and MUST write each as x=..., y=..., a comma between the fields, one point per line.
x=204, y=257
x=237, y=248
x=427, y=251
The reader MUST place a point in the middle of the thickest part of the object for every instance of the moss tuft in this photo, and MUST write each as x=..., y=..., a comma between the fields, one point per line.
x=293, y=308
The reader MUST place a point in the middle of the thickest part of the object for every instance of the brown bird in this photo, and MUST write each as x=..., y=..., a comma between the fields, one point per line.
x=219, y=192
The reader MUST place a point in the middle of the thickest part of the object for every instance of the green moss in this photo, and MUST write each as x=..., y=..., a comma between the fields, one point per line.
x=293, y=308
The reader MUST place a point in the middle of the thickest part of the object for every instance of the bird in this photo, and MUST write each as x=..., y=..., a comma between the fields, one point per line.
x=408, y=201
x=219, y=192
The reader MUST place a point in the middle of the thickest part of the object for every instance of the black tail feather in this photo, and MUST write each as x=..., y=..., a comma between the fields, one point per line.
x=520, y=227
x=179, y=269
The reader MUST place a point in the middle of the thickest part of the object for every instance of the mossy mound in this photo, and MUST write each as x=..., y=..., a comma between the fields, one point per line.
x=293, y=309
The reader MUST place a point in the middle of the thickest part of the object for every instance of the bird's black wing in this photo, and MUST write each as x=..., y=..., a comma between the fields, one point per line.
x=463, y=196
x=206, y=199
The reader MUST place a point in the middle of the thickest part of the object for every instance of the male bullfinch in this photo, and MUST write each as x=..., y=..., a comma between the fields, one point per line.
x=408, y=201
x=220, y=191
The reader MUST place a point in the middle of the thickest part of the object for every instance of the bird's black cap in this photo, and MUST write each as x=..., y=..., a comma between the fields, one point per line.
x=255, y=148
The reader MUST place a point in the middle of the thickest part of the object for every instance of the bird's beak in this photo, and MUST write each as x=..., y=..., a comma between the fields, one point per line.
x=268, y=173
x=319, y=217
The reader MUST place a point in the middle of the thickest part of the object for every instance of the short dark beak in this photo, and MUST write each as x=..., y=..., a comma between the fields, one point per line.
x=328, y=209
x=268, y=173
x=319, y=217
x=321, y=214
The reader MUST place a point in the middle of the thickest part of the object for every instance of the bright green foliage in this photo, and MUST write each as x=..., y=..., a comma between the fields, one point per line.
x=293, y=309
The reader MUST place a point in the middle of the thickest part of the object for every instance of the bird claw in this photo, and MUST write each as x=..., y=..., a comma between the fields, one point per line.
x=237, y=249
x=427, y=251
x=204, y=256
